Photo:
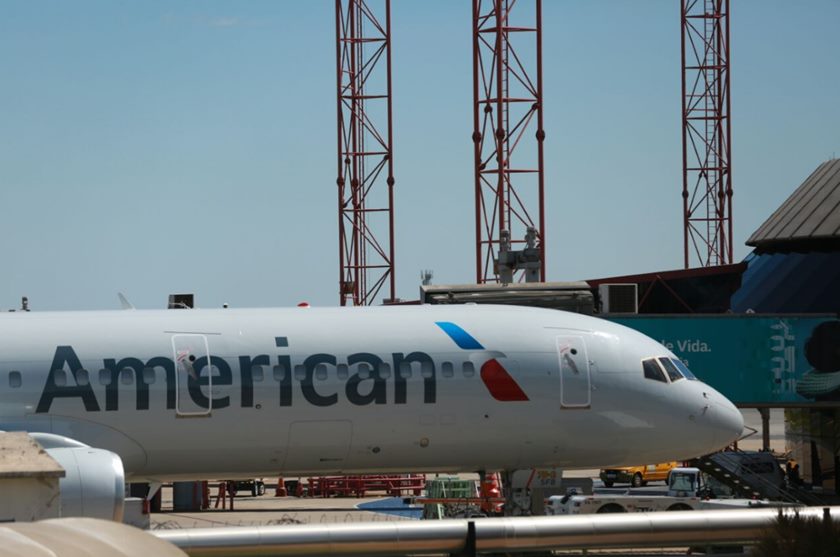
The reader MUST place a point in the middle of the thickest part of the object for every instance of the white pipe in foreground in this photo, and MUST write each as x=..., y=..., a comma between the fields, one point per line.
x=659, y=529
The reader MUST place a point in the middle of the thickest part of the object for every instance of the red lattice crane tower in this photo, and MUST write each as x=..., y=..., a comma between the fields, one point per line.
x=365, y=151
x=508, y=138
x=707, y=177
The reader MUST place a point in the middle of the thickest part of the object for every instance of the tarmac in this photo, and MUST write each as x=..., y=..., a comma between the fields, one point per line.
x=270, y=510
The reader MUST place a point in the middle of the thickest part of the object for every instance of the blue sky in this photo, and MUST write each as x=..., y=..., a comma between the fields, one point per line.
x=156, y=147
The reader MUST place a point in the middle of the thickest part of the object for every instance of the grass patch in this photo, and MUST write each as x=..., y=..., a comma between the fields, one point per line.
x=792, y=535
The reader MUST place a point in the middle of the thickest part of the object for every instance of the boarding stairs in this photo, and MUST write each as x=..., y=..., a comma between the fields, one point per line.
x=753, y=475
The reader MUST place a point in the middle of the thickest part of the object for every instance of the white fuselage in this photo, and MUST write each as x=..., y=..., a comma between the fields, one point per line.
x=342, y=390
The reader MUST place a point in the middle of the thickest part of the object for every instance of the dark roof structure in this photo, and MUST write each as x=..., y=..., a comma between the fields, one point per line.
x=698, y=290
x=809, y=220
x=795, y=267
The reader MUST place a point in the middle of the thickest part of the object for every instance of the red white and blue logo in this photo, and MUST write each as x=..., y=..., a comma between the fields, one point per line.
x=502, y=386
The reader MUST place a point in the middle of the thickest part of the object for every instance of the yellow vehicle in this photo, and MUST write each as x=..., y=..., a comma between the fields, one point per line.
x=637, y=476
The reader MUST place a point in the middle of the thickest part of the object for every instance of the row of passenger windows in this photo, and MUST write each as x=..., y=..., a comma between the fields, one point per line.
x=279, y=372
x=665, y=369
x=365, y=371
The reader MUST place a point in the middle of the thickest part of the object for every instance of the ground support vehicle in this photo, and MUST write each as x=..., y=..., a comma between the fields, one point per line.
x=255, y=487
x=688, y=489
x=756, y=474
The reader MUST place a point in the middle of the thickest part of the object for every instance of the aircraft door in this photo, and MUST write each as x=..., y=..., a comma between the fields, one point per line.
x=194, y=376
x=574, y=372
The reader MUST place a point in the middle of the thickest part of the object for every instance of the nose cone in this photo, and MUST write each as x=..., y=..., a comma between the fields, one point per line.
x=715, y=421
x=720, y=422
x=727, y=421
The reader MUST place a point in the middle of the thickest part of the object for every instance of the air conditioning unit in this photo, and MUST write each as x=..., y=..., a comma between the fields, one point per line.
x=619, y=298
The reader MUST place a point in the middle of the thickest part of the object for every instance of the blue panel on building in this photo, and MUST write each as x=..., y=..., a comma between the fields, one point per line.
x=754, y=359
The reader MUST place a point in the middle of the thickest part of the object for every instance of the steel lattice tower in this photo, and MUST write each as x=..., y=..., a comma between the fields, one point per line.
x=507, y=130
x=365, y=153
x=707, y=178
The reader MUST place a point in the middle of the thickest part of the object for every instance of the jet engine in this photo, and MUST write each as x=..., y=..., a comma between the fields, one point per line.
x=94, y=484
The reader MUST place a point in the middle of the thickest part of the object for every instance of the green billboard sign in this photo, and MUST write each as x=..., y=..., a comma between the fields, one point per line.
x=754, y=359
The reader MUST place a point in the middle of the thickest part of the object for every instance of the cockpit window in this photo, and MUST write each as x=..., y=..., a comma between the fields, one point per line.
x=684, y=369
x=653, y=371
x=671, y=369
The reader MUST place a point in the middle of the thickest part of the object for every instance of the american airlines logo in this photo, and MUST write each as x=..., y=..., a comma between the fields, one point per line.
x=499, y=382
x=364, y=378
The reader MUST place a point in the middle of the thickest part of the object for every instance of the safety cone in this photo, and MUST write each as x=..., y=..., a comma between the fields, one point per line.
x=490, y=489
x=281, y=488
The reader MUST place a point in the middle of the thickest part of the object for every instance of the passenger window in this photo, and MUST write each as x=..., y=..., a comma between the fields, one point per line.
x=468, y=369
x=257, y=373
x=653, y=371
x=321, y=372
x=82, y=377
x=446, y=369
x=105, y=377
x=127, y=376
x=427, y=370
x=384, y=371
x=405, y=370
x=300, y=372
x=280, y=373
x=60, y=378
x=149, y=375
x=15, y=379
x=684, y=369
x=342, y=371
x=671, y=369
x=364, y=371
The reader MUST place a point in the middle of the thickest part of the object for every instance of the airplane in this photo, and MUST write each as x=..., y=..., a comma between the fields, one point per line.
x=162, y=395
